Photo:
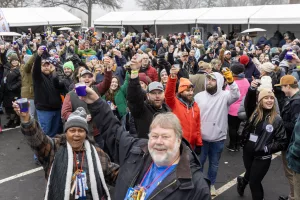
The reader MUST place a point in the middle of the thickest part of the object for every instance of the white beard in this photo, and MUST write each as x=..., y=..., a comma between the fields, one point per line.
x=164, y=158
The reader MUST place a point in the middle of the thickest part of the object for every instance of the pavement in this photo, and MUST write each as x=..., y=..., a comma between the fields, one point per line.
x=21, y=179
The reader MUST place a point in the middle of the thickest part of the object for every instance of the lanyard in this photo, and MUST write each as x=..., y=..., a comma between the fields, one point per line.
x=77, y=162
x=148, y=186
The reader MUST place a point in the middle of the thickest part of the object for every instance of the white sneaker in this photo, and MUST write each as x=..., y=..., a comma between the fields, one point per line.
x=213, y=191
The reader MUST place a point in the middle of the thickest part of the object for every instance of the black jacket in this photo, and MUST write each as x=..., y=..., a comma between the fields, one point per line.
x=132, y=154
x=271, y=137
x=140, y=109
x=290, y=113
x=46, y=96
x=10, y=86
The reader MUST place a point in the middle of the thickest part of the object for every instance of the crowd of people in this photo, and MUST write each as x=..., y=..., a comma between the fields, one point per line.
x=156, y=108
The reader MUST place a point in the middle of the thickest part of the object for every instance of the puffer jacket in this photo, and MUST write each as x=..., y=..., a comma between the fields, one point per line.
x=188, y=115
x=185, y=182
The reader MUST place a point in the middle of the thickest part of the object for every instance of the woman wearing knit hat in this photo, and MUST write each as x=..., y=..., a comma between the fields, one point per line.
x=11, y=90
x=263, y=135
x=74, y=167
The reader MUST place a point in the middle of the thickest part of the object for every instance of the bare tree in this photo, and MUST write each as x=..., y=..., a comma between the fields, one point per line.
x=231, y=3
x=84, y=5
x=13, y=3
x=156, y=4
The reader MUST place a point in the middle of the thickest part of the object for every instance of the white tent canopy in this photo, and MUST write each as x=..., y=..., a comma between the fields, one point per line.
x=228, y=15
x=184, y=16
x=113, y=18
x=144, y=17
x=17, y=17
x=277, y=14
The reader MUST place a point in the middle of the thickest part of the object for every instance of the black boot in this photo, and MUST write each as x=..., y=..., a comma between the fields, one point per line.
x=241, y=185
x=17, y=121
x=10, y=124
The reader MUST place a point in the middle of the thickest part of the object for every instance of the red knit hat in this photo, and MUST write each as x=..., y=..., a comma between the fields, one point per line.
x=143, y=77
x=244, y=59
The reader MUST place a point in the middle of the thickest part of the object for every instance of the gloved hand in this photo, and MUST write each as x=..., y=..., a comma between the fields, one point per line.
x=228, y=75
x=198, y=150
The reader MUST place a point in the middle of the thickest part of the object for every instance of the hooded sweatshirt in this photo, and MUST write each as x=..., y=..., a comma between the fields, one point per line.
x=214, y=110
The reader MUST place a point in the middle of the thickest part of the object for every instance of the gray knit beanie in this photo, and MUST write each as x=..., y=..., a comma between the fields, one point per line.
x=77, y=119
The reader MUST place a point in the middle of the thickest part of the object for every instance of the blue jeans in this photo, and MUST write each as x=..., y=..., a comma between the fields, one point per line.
x=213, y=150
x=49, y=121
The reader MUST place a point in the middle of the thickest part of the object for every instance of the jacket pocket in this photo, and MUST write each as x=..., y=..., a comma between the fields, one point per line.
x=211, y=131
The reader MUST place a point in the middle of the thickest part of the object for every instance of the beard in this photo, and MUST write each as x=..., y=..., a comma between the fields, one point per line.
x=211, y=89
x=187, y=98
x=166, y=157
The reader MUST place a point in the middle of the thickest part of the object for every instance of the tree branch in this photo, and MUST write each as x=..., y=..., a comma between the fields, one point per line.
x=72, y=6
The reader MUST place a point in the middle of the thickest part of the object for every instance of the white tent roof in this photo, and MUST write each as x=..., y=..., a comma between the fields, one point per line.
x=38, y=16
x=144, y=17
x=277, y=14
x=112, y=18
x=22, y=17
x=183, y=16
x=228, y=15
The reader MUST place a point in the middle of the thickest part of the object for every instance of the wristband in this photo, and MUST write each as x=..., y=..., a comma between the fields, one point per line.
x=134, y=71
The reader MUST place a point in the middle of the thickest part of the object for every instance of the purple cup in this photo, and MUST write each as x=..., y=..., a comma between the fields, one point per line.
x=80, y=89
x=23, y=104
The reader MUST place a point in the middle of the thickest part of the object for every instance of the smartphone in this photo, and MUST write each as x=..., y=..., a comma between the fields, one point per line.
x=258, y=82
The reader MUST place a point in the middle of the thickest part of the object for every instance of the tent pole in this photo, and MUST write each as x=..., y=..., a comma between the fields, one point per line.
x=248, y=23
x=155, y=28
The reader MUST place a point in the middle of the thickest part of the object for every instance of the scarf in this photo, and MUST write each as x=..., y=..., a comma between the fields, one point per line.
x=60, y=188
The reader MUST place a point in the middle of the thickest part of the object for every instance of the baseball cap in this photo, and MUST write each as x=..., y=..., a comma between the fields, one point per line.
x=86, y=72
x=212, y=76
x=155, y=86
x=287, y=80
x=227, y=52
x=46, y=61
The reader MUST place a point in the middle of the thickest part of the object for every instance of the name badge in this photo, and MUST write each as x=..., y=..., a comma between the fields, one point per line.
x=253, y=138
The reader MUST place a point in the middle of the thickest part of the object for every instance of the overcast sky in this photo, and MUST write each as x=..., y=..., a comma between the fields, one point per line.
x=128, y=5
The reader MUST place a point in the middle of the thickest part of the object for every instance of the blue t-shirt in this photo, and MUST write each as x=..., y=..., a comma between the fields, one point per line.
x=154, y=172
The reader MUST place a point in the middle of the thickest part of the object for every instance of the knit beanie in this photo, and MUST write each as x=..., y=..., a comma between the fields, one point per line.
x=77, y=119
x=13, y=57
x=184, y=84
x=162, y=71
x=267, y=67
x=69, y=65
x=237, y=68
x=264, y=93
x=275, y=60
x=244, y=59
x=265, y=83
x=143, y=78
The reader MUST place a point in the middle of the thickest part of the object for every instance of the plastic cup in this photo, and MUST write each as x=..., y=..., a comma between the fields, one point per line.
x=23, y=104
x=80, y=89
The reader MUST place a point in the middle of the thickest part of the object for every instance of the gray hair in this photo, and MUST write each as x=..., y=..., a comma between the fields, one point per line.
x=168, y=120
x=164, y=41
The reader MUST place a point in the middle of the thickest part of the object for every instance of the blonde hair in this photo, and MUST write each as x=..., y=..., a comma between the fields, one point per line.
x=167, y=120
x=259, y=113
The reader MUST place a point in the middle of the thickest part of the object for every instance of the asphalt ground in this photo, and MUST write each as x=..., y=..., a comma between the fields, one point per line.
x=22, y=179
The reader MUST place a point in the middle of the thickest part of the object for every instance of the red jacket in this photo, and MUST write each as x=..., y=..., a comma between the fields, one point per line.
x=152, y=73
x=189, y=116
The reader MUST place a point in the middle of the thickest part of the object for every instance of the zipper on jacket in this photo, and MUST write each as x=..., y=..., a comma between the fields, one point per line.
x=163, y=189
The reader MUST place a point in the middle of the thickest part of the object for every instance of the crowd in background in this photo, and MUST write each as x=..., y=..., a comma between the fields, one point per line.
x=226, y=84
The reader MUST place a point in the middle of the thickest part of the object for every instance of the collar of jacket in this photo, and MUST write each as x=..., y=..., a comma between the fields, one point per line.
x=183, y=169
x=201, y=71
x=187, y=105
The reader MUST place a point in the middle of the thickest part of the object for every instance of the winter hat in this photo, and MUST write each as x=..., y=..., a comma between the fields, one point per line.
x=184, y=84
x=162, y=71
x=13, y=57
x=237, y=68
x=77, y=119
x=244, y=59
x=267, y=67
x=69, y=65
x=264, y=93
x=92, y=58
x=143, y=78
x=266, y=83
